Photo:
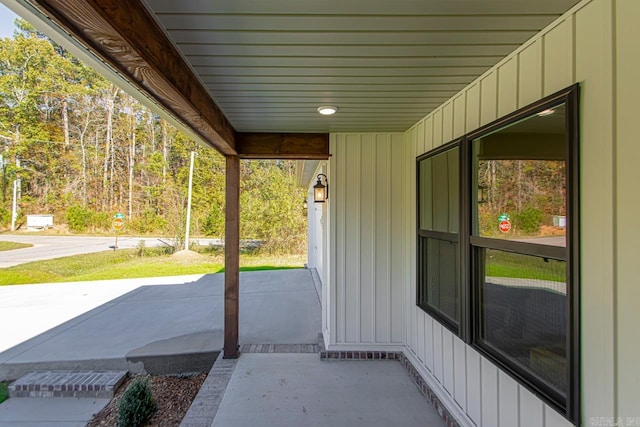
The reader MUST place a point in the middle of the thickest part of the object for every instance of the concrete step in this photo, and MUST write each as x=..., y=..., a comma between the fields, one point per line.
x=96, y=384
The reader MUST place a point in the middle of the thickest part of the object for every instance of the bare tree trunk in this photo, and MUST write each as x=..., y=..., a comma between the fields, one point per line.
x=65, y=121
x=519, y=186
x=108, y=150
x=132, y=160
x=152, y=131
x=83, y=146
x=165, y=149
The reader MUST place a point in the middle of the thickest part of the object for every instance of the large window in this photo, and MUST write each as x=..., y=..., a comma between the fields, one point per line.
x=505, y=276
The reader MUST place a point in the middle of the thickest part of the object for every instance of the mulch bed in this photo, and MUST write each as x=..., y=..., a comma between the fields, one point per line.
x=172, y=394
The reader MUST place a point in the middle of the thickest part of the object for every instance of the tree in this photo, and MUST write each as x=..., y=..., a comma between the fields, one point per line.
x=86, y=149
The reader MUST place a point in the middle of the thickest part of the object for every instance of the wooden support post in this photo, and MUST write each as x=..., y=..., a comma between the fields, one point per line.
x=232, y=258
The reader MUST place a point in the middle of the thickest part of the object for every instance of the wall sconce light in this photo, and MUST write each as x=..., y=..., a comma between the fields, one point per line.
x=482, y=194
x=305, y=204
x=320, y=191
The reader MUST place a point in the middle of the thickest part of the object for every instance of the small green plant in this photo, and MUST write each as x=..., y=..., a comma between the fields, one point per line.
x=137, y=404
x=4, y=391
x=141, y=249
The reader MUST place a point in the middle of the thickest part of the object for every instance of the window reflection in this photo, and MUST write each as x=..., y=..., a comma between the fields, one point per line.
x=440, y=276
x=524, y=312
x=520, y=181
x=439, y=192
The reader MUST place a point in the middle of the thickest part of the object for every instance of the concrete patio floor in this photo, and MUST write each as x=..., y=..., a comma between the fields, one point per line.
x=266, y=389
x=279, y=306
x=274, y=390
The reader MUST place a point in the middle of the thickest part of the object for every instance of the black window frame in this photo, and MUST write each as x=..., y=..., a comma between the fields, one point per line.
x=424, y=234
x=471, y=266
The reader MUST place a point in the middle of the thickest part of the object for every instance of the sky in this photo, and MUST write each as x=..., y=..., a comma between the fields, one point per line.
x=6, y=21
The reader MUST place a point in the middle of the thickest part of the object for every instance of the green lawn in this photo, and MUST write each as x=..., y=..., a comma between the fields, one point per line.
x=4, y=391
x=127, y=264
x=505, y=264
x=8, y=246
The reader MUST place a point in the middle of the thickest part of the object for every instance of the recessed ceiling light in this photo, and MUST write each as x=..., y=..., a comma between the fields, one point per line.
x=327, y=110
x=547, y=112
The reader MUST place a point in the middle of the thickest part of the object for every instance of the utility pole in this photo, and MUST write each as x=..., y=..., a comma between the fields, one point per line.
x=186, y=234
x=14, y=205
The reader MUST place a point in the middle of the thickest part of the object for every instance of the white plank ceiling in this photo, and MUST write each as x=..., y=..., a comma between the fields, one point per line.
x=269, y=64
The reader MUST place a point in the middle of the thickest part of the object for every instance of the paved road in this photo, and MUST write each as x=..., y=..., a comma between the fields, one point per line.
x=49, y=247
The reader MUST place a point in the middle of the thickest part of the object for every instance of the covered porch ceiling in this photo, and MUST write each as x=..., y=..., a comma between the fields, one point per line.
x=247, y=76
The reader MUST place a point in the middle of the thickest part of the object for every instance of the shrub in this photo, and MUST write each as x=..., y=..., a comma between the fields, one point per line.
x=5, y=217
x=4, y=391
x=102, y=221
x=149, y=221
x=214, y=223
x=78, y=218
x=529, y=219
x=137, y=404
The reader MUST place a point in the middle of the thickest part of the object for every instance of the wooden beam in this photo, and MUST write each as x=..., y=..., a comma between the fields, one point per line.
x=124, y=35
x=232, y=258
x=298, y=146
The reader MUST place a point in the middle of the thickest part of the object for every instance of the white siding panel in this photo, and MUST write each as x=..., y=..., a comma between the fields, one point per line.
x=474, y=386
x=490, y=393
x=554, y=419
x=531, y=409
x=489, y=98
x=530, y=74
x=447, y=359
x=340, y=160
x=412, y=140
x=420, y=331
x=428, y=339
x=508, y=400
x=447, y=122
x=368, y=177
x=459, y=115
x=382, y=206
x=593, y=69
x=428, y=134
x=352, y=244
x=460, y=372
x=558, y=57
x=396, y=222
x=473, y=108
x=437, y=352
x=420, y=137
x=404, y=300
x=507, y=87
x=366, y=264
x=628, y=206
x=410, y=319
x=437, y=128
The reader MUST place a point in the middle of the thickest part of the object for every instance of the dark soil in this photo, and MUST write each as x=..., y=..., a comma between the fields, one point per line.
x=172, y=394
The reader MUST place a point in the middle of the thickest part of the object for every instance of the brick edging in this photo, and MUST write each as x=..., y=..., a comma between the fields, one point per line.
x=415, y=376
